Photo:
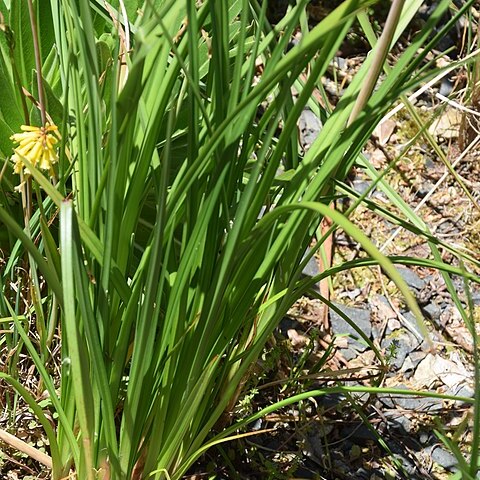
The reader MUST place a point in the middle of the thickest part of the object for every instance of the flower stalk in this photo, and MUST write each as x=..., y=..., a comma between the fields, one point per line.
x=38, y=63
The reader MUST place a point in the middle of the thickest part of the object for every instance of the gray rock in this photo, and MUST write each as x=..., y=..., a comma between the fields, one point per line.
x=405, y=423
x=383, y=308
x=361, y=186
x=392, y=325
x=417, y=357
x=452, y=371
x=350, y=353
x=357, y=432
x=388, y=400
x=435, y=337
x=309, y=126
x=311, y=268
x=429, y=164
x=446, y=86
x=407, y=465
x=433, y=311
x=257, y=425
x=408, y=402
x=411, y=278
x=341, y=62
x=379, y=195
x=359, y=316
x=377, y=330
x=476, y=298
x=408, y=367
x=420, y=404
x=359, y=397
x=426, y=437
x=398, y=422
x=443, y=457
x=465, y=391
x=410, y=321
x=398, y=345
x=462, y=391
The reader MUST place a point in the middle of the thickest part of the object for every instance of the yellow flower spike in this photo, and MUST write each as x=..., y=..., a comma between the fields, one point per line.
x=35, y=153
x=18, y=165
x=47, y=159
x=30, y=128
x=37, y=145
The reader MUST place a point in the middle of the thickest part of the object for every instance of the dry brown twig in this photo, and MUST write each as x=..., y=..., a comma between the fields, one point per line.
x=24, y=447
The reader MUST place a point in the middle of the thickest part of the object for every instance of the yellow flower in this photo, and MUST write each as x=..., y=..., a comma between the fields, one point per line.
x=37, y=145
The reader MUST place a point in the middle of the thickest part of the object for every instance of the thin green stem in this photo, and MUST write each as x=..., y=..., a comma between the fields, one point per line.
x=381, y=53
x=38, y=62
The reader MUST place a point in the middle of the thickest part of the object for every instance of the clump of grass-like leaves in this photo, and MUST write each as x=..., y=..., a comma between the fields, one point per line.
x=167, y=243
